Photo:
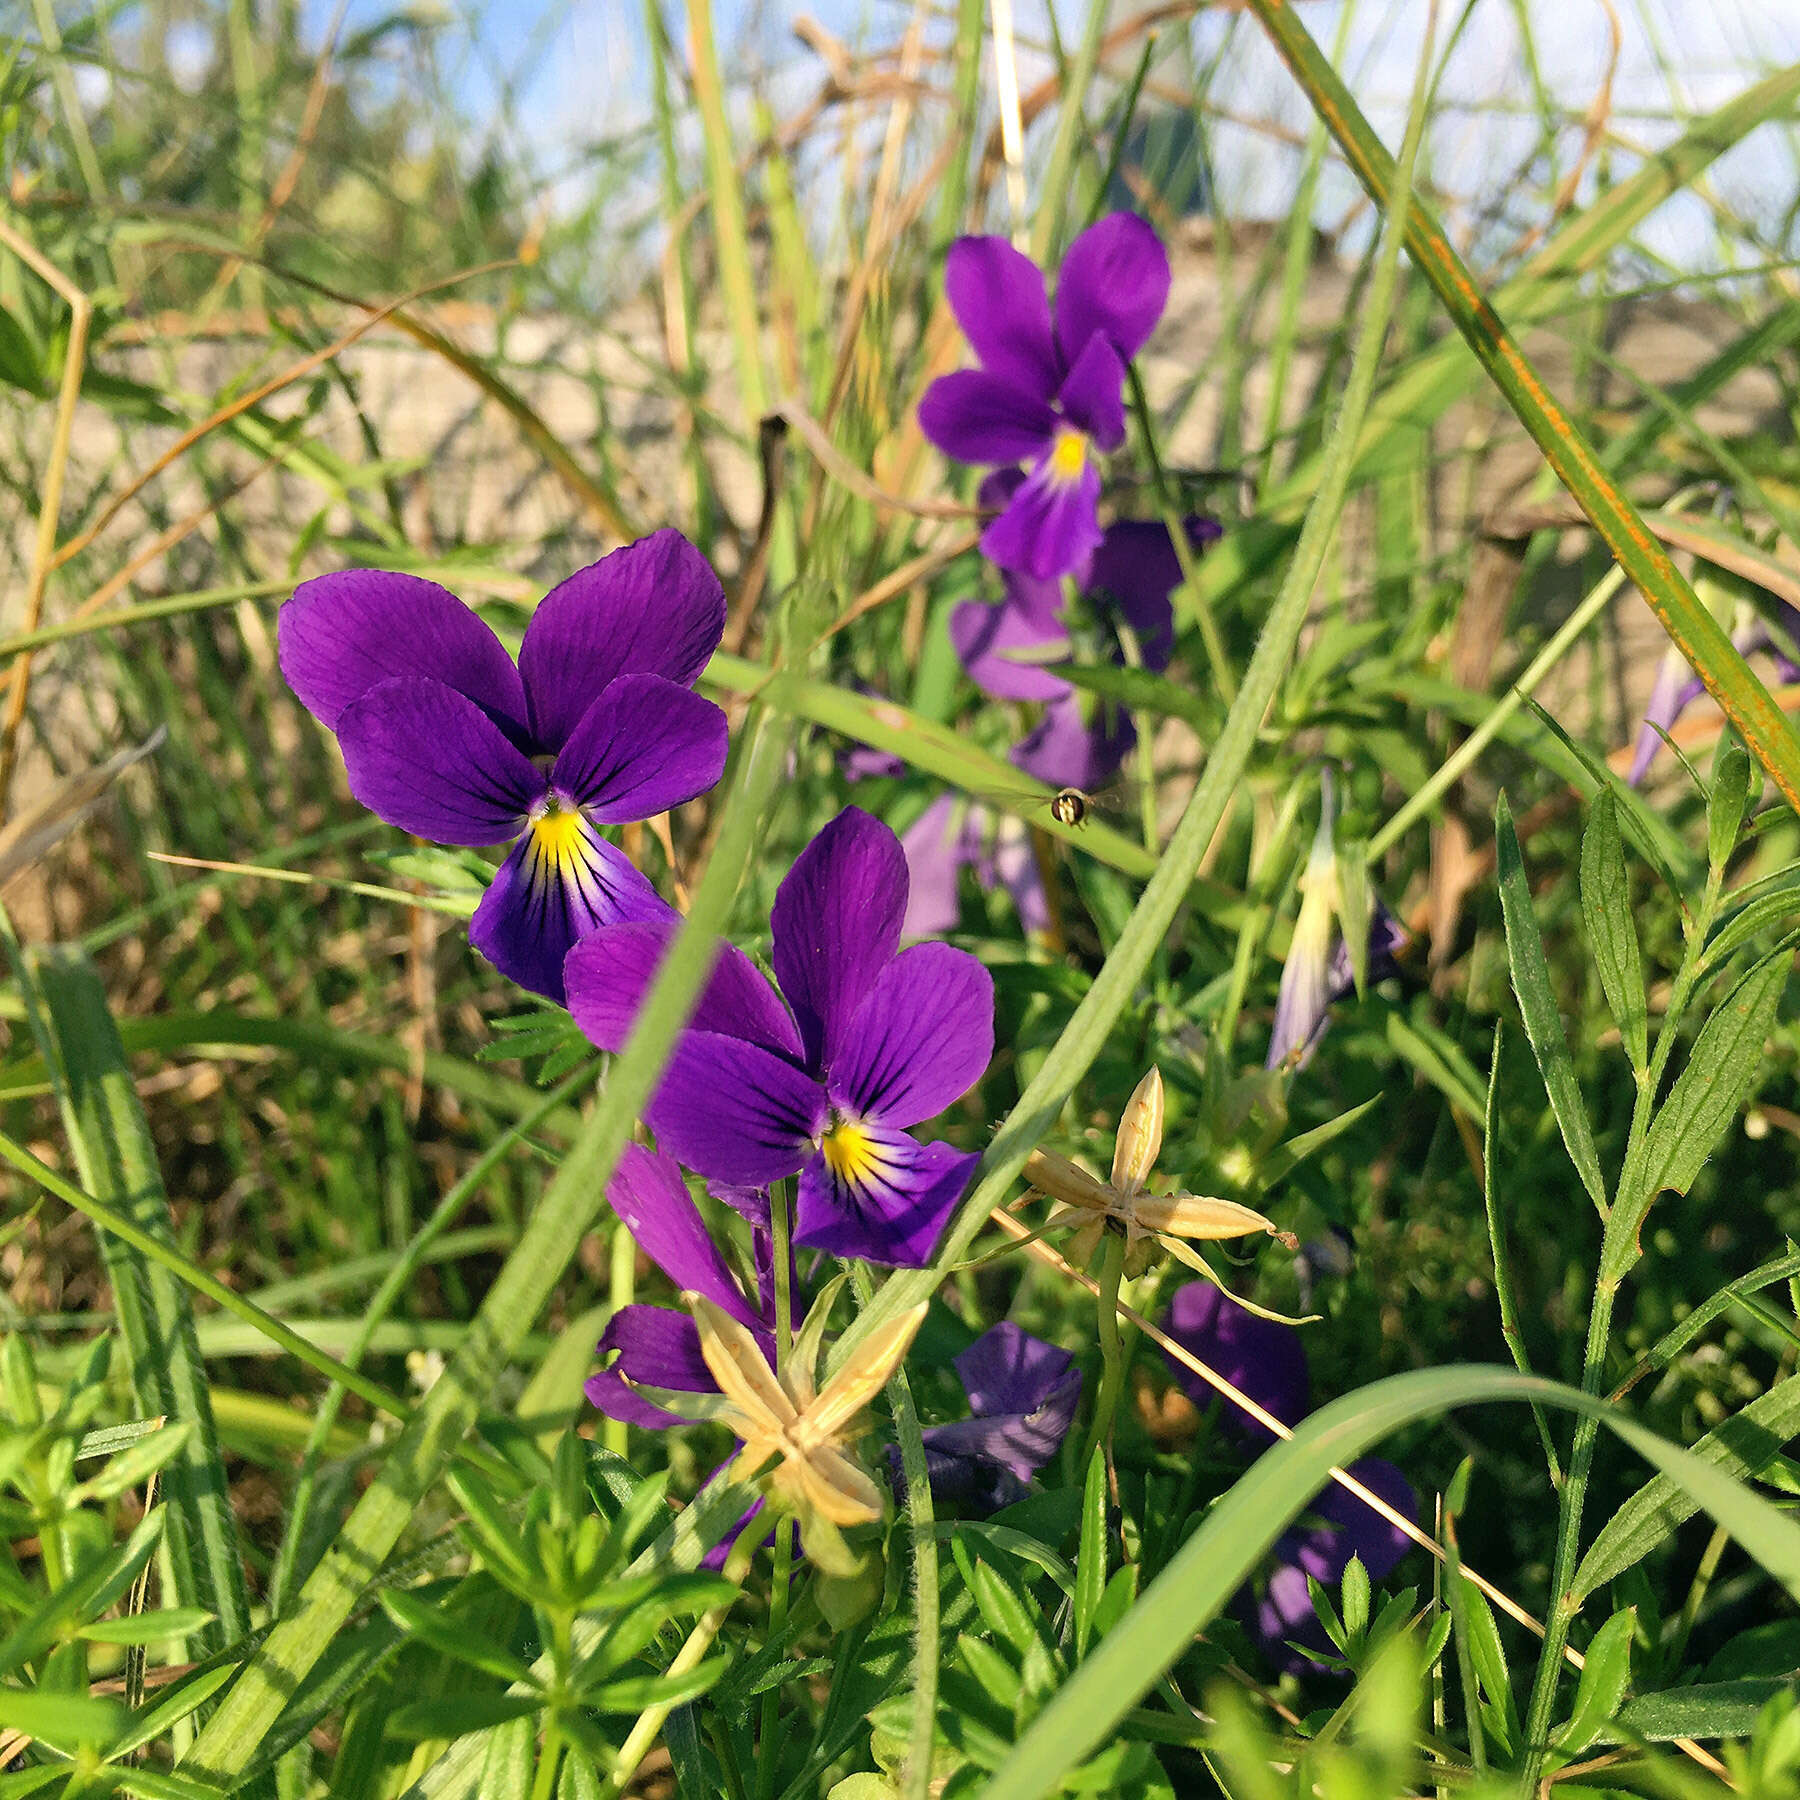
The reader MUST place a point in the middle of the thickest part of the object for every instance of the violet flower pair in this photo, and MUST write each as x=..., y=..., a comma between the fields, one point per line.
x=445, y=736
x=1050, y=391
x=1265, y=1360
x=825, y=1078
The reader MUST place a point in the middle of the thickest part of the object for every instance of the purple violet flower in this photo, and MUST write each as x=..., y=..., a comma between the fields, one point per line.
x=825, y=1084
x=953, y=834
x=1266, y=1360
x=1048, y=393
x=1023, y=1394
x=657, y=1346
x=446, y=737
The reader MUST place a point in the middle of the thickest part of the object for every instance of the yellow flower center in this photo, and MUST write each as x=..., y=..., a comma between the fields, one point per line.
x=1068, y=455
x=851, y=1152
x=559, y=837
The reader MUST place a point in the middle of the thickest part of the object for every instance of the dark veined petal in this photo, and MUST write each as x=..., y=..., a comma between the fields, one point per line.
x=649, y=1195
x=880, y=1196
x=920, y=1040
x=836, y=925
x=1115, y=279
x=656, y=1346
x=1007, y=650
x=1007, y=1370
x=975, y=417
x=561, y=881
x=1093, y=396
x=732, y=1111
x=652, y=608
x=342, y=633
x=1260, y=1357
x=609, y=972
x=1068, y=748
x=997, y=295
x=1051, y=526
x=645, y=745
x=426, y=758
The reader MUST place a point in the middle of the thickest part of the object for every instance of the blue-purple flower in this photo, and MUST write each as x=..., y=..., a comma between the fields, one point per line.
x=1265, y=1360
x=825, y=1079
x=1049, y=392
x=1023, y=1394
x=445, y=736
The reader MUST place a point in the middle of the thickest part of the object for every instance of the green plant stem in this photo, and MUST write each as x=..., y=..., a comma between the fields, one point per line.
x=781, y=1247
x=642, y=1737
x=1070, y=131
x=921, y=1522
x=1618, y=1250
x=1593, y=604
x=1112, y=1361
x=621, y=1286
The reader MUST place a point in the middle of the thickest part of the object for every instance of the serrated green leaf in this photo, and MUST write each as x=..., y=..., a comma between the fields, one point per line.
x=1611, y=929
x=1355, y=1591
x=1537, y=1006
x=1742, y=1446
x=1604, y=1676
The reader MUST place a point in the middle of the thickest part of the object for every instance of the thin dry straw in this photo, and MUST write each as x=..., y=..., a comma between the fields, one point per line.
x=1242, y=1401
x=1012, y=130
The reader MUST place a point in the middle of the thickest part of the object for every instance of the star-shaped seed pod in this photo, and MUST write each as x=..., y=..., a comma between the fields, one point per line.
x=806, y=1429
x=1172, y=1220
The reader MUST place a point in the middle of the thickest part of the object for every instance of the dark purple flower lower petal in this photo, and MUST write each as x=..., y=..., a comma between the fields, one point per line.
x=656, y=1346
x=652, y=608
x=997, y=295
x=972, y=1484
x=654, y=1204
x=975, y=417
x=1006, y=651
x=1093, y=393
x=732, y=1111
x=887, y=1204
x=1114, y=279
x=342, y=633
x=1260, y=1357
x=1137, y=570
x=561, y=881
x=923, y=1036
x=645, y=745
x=609, y=972
x=1067, y=750
x=1351, y=1527
x=1051, y=526
x=426, y=758
x=1284, y=1615
x=996, y=490
x=1007, y=1370
x=836, y=925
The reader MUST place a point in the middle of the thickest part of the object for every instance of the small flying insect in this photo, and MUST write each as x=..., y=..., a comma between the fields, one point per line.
x=1071, y=807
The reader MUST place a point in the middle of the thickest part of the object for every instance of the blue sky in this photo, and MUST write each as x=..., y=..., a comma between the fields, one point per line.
x=580, y=71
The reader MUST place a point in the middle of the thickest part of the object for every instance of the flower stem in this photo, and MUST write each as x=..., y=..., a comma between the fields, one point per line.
x=781, y=1235
x=1112, y=1360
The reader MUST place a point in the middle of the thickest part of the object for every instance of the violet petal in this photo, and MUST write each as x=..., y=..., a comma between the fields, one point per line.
x=1093, y=395
x=653, y=1202
x=732, y=1111
x=645, y=744
x=1050, y=527
x=1115, y=279
x=1260, y=1357
x=896, y=1216
x=975, y=417
x=997, y=295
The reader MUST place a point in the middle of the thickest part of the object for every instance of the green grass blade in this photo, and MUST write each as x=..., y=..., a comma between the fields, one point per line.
x=1242, y=1528
x=116, y=1159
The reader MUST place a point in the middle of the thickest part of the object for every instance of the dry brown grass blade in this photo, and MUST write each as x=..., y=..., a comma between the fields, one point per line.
x=847, y=475
x=36, y=831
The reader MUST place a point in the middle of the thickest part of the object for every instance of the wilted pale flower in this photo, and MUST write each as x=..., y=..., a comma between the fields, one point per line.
x=1050, y=391
x=806, y=1429
x=1124, y=1202
x=445, y=736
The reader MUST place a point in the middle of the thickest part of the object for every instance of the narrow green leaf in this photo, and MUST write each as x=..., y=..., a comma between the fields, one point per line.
x=115, y=1158
x=456, y=1715
x=1611, y=929
x=1488, y=1655
x=146, y=1627
x=635, y=1692
x=511, y=1761
x=1725, y=801
x=1742, y=1446
x=1604, y=1675
x=1355, y=1593
x=1090, y=1566
x=441, y=1629
x=65, y=1722
x=1721, y=1071
x=1537, y=1006
x=1714, y=1709
x=160, y=1717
